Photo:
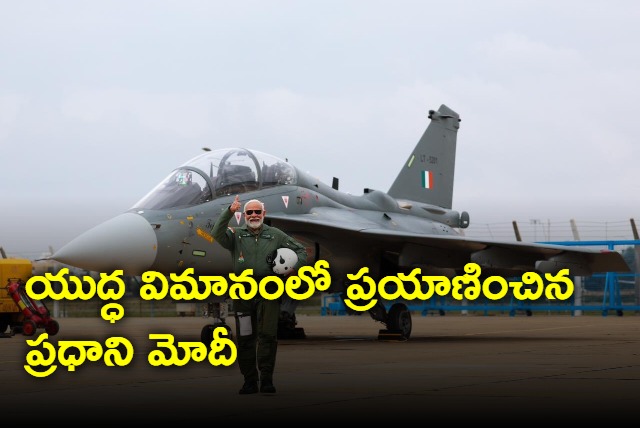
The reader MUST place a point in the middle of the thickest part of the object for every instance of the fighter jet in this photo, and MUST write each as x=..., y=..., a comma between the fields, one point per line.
x=412, y=225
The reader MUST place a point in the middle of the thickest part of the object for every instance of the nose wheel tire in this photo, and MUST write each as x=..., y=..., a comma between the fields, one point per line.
x=206, y=335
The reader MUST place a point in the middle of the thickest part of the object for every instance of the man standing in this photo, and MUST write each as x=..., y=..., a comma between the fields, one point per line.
x=251, y=247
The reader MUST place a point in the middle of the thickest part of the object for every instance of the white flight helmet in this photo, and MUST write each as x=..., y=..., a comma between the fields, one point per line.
x=283, y=260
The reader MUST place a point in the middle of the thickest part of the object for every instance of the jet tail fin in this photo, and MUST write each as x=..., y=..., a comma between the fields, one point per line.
x=427, y=176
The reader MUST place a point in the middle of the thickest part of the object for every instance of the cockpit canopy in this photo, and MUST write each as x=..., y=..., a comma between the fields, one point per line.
x=218, y=173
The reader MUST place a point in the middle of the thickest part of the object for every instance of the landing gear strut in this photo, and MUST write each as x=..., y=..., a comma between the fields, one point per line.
x=218, y=311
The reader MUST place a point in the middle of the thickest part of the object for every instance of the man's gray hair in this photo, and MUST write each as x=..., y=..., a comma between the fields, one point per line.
x=254, y=201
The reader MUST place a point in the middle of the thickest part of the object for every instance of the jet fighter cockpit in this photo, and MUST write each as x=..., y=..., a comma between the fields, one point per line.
x=217, y=173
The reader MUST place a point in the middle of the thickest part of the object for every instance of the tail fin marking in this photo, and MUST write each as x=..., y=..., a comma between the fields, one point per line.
x=428, y=174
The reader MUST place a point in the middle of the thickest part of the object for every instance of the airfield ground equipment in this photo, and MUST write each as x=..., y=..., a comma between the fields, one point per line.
x=18, y=311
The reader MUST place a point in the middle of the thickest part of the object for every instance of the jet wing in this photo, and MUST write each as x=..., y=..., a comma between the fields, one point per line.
x=397, y=235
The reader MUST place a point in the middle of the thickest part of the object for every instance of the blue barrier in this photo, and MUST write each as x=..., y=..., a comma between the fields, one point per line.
x=332, y=304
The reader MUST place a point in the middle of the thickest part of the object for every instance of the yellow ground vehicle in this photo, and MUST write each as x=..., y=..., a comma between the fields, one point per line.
x=17, y=310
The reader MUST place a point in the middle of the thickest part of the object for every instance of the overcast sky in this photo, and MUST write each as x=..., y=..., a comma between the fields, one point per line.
x=99, y=101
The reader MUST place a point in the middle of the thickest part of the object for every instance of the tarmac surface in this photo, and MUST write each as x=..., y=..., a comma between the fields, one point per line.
x=454, y=368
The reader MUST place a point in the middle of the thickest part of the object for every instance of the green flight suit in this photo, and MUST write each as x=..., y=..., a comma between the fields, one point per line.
x=257, y=350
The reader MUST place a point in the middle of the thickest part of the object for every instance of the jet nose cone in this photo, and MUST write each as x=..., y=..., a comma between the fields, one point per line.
x=125, y=242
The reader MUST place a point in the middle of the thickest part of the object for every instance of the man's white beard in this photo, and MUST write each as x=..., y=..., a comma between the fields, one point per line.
x=254, y=223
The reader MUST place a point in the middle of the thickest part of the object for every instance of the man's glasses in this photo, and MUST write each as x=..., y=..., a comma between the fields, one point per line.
x=250, y=212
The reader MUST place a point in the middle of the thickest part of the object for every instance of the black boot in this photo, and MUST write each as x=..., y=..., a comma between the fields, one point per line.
x=266, y=386
x=249, y=387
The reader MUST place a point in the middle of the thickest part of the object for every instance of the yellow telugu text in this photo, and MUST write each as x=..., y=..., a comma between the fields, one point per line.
x=362, y=287
x=110, y=287
x=467, y=286
x=243, y=286
x=184, y=286
x=74, y=353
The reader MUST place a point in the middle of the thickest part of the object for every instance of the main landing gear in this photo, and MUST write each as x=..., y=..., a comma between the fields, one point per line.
x=397, y=320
